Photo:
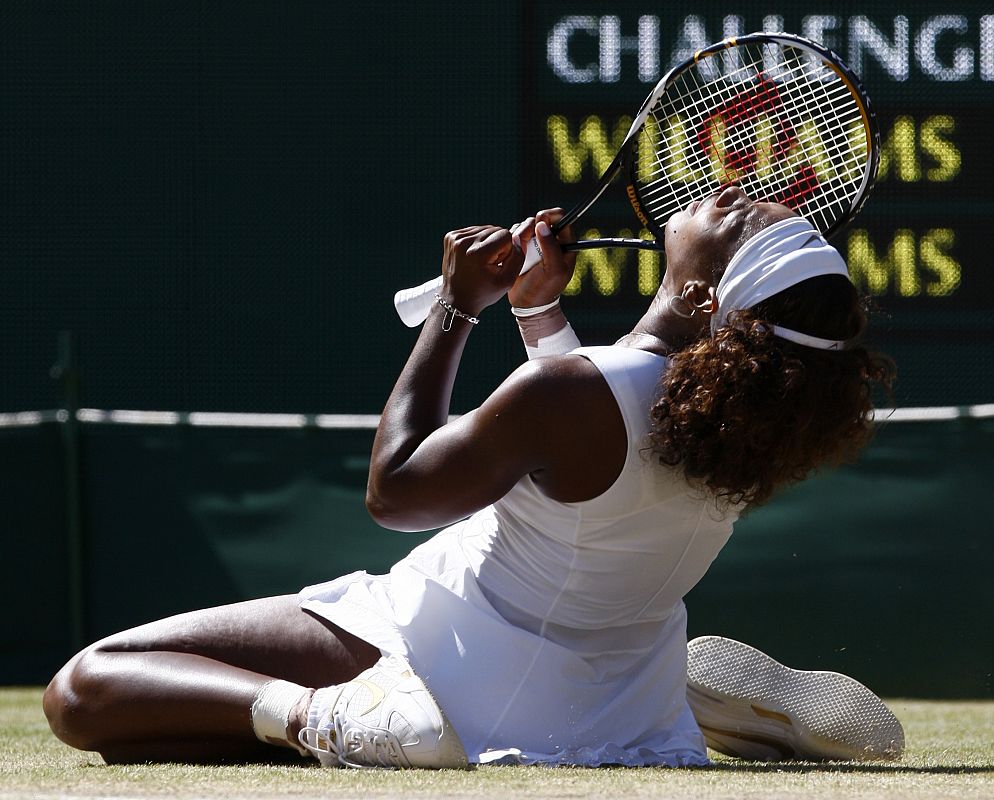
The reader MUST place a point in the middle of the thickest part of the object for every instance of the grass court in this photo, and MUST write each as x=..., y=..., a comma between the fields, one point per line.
x=950, y=754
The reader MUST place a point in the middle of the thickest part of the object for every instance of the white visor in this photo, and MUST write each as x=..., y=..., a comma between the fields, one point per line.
x=776, y=258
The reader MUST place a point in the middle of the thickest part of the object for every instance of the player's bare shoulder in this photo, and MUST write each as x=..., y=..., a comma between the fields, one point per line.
x=561, y=377
x=575, y=424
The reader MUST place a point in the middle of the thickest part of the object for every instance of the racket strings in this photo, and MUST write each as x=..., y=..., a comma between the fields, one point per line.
x=738, y=139
x=704, y=96
x=704, y=134
x=692, y=101
x=830, y=102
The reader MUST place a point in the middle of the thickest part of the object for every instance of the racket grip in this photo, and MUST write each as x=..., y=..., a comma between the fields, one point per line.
x=414, y=304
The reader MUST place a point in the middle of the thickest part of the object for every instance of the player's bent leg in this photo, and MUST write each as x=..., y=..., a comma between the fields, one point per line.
x=183, y=688
x=750, y=706
x=158, y=706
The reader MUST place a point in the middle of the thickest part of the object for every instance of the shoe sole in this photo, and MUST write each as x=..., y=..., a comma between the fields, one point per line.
x=750, y=706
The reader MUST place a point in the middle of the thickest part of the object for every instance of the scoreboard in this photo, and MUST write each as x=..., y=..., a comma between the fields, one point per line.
x=919, y=248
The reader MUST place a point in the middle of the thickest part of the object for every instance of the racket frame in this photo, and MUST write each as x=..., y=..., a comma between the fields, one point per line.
x=622, y=159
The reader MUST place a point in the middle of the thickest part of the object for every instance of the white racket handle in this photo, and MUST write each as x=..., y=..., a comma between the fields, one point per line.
x=414, y=304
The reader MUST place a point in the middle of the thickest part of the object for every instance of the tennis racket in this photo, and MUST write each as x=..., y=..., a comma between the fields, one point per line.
x=777, y=114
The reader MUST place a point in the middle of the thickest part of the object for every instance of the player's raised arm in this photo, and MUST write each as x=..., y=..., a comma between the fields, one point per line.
x=425, y=473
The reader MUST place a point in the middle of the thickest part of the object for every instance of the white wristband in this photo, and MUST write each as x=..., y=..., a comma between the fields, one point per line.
x=531, y=312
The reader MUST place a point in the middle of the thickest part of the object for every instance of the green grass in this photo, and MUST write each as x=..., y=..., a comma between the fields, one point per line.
x=950, y=754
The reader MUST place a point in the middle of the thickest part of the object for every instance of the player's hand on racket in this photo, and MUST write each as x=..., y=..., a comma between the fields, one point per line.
x=547, y=280
x=479, y=265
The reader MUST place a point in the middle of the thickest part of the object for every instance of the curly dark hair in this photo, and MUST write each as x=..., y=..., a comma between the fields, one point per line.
x=745, y=413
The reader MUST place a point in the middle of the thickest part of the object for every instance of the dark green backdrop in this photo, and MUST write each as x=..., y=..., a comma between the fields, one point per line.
x=220, y=197
x=881, y=570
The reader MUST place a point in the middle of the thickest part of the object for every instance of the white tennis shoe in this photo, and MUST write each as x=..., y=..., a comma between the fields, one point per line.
x=384, y=717
x=750, y=706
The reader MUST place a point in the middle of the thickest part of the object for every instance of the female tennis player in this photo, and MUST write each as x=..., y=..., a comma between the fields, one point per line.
x=585, y=496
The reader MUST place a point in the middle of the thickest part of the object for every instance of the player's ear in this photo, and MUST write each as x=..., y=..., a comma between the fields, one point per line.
x=700, y=296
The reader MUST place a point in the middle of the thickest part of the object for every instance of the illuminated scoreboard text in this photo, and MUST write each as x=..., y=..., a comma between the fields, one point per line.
x=920, y=242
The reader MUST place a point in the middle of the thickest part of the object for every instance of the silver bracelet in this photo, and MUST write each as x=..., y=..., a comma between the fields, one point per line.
x=451, y=313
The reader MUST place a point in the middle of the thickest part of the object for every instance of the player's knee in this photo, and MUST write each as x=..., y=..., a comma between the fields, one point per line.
x=75, y=701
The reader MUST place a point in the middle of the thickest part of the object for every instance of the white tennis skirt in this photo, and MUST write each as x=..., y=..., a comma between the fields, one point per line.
x=511, y=695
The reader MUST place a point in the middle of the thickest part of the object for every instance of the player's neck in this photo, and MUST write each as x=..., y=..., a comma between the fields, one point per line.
x=661, y=331
x=645, y=341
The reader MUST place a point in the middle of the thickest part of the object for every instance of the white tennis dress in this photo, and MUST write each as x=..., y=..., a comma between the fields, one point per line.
x=556, y=632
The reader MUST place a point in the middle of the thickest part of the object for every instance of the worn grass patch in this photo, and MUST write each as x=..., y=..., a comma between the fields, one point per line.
x=950, y=754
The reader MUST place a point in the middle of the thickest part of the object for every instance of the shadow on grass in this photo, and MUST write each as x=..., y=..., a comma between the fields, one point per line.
x=844, y=767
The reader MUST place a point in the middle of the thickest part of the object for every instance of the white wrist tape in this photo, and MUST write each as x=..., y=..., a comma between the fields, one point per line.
x=545, y=331
x=562, y=341
x=271, y=711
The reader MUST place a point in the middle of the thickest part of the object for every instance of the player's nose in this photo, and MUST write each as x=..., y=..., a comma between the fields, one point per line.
x=729, y=195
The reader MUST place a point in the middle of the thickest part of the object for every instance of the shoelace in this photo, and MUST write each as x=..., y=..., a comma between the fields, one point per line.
x=379, y=748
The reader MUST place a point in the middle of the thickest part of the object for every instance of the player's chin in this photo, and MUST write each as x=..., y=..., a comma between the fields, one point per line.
x=675, y=222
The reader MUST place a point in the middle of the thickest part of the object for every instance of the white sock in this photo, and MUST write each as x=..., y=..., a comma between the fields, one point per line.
x=271, y=711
